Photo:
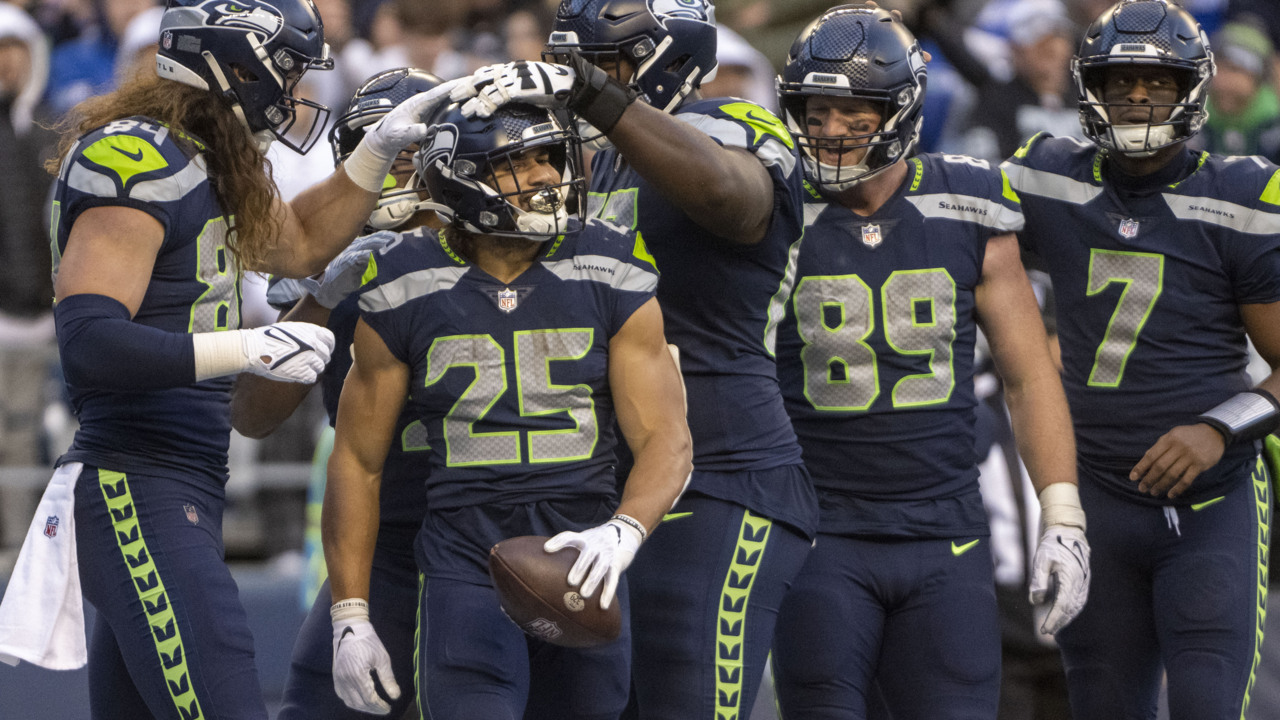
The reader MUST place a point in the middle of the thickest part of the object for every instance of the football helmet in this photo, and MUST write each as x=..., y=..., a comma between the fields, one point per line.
x=371, y=101
x=859, y=52
x=1143, y=33
x=252, y=53
x=670, y=43
x=460, y=157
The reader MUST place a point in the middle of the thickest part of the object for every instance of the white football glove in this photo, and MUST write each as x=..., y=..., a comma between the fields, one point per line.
x=369, y=163
x=544, y=85
x=604, y=552
x=343, y=274
x=358, y=655
x=287, y=351
x=283, y=293
x=1060, y=575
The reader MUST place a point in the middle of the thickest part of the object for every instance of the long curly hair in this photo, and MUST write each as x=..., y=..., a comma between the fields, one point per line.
x=240, y=173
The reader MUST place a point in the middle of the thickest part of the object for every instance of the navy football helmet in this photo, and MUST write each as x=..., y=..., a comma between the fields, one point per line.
x=855, y=51
x=460, y=157
x=670, y=43
x=252, y=53
x=1144, y=33
x=370, y=103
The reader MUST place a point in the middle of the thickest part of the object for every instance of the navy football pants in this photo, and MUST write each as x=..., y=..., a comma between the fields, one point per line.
x=478, y=665
x=1178, y=589
x=171, y=640
x=705, y=592
x=917, y=615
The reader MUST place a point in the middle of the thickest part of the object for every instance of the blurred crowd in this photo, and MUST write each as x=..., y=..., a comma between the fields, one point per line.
x=1001, y=70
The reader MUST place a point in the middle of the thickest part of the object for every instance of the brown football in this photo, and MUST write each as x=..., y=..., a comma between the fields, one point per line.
x=534, y=591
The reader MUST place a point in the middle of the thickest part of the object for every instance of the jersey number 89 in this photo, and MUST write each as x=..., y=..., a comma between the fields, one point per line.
x=918, y=314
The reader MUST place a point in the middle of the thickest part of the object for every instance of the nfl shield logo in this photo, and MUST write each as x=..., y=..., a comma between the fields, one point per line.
x=507, y=300
x=191, y=514
x=51, y=526
x=871, y=235
x=1128, y=228
x=167, y=39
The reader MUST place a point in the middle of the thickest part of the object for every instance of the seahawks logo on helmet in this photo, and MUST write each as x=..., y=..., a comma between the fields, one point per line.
x=686, y=9
x=440, y=145
x=255, y=18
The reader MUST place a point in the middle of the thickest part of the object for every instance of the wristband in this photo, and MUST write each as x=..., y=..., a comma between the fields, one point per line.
x=218, y=354
x=633, y=524
x=596, y=96
x=367, y=169
x=1060, y=505
x=349, y=609
x=1245, y=416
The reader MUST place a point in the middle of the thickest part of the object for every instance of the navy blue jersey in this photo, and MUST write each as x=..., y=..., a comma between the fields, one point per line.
x=1148, y=277
x=715, y=295
x=195, y=287
x=875, y=346
x=511, y=378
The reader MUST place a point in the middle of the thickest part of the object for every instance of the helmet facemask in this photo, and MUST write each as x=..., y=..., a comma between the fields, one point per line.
x=883, y=145
x=1182, y=118
x=479, y=176
x=854, y=57
x=1141, y=36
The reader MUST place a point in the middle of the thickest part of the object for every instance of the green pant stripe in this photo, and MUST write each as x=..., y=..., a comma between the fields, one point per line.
x=735, y=598
x=151, y=592
x=1261, y=481
x=417, y=645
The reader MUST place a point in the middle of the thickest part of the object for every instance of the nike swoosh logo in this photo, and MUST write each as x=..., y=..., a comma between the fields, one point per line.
x=675, y=516
x=959, y=550
x=345, y=632
x=1200, y=506
x=134, y=156
x=276, y=333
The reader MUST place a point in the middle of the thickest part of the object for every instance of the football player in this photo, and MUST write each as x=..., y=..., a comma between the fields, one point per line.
x=258, y=406
x=1163, y=262
x=902, y=260
x=521, y=334
x=714, y=188
x=160, y=203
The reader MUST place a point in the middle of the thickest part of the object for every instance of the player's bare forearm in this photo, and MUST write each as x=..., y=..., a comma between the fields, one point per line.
x=259, y=405
x=1038, y=410
x=318, y=224
x=1041, y=423
x=372, y=397
x=349, y=524
x=649, y=400
x=725, y=190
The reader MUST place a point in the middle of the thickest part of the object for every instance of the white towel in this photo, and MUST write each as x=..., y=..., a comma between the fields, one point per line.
x=42, y=614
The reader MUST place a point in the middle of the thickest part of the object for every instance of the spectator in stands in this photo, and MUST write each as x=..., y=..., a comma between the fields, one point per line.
x=26, y=287
x=85, y=66
x=136, y=51
x=1244, y=111
x=741, y=71
x=1038, y=96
